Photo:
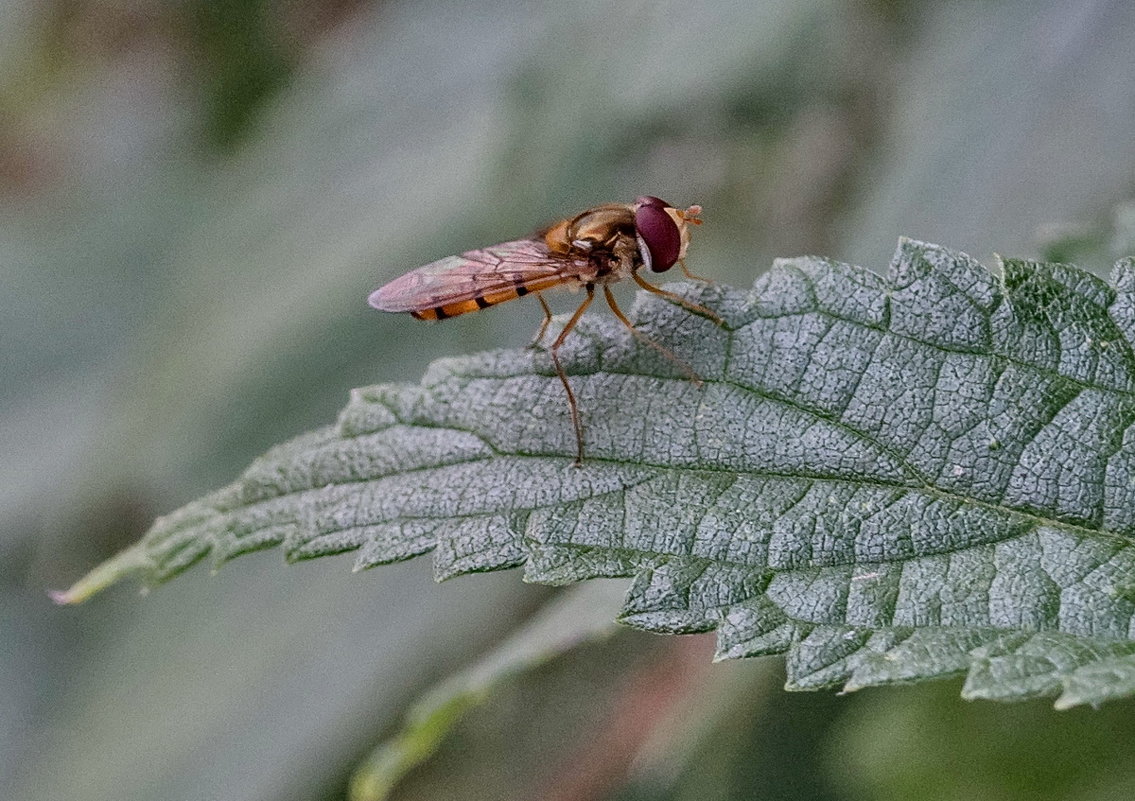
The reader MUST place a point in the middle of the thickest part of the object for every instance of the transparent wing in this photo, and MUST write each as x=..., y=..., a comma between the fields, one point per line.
x=508, y=269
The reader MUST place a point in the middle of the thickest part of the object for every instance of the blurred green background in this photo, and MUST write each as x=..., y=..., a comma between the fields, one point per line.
x=196, y=198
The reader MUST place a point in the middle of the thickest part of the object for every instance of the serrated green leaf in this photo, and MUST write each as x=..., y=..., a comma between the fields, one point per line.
x=891, y=479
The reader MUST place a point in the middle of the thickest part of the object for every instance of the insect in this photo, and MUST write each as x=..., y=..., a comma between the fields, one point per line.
x=595, y=248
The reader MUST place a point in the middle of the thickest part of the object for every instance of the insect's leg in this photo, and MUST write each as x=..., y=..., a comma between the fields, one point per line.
x=535, y=343
x=641, y=337
x=688, y=274
x=697, y=308
x=572, y=405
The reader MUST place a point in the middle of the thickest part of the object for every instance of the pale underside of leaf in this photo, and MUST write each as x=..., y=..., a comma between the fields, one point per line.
x=891, y=479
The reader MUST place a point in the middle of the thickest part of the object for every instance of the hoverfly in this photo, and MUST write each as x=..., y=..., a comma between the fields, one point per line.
x=595, y=248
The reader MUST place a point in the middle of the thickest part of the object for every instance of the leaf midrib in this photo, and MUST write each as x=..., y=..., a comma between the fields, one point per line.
x=1033, y=519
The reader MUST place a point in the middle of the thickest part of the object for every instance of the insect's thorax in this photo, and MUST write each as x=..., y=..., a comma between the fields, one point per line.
x=605, y=234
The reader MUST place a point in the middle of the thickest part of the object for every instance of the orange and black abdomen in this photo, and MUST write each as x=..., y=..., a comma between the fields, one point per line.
x=477, y=302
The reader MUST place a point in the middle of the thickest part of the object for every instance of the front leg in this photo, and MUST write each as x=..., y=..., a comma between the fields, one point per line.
x=697, y=308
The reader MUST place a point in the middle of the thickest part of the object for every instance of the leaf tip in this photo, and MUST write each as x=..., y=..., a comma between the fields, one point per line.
x=127, y=562
x=62, y=597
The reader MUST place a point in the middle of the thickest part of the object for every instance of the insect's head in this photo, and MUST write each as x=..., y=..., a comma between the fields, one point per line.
x=663, y=231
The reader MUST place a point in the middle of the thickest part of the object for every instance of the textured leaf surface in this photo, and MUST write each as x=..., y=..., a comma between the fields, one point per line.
x=889, y=479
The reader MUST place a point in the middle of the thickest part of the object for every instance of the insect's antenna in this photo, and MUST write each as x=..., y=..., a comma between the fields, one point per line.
x=690, y=215
x=641, y=337
x=572, y=405
x=696, y=308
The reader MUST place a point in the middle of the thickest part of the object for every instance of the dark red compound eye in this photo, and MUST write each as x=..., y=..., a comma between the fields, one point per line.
x=659, y=232
x=650, y=200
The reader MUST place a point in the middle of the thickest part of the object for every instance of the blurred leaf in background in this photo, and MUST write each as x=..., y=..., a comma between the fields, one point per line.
x=195, y=201
x=926, y=745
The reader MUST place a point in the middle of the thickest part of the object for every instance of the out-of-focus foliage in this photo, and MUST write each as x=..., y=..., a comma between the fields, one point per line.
x=925, y=745
x=578, y=617
x=171, y=308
